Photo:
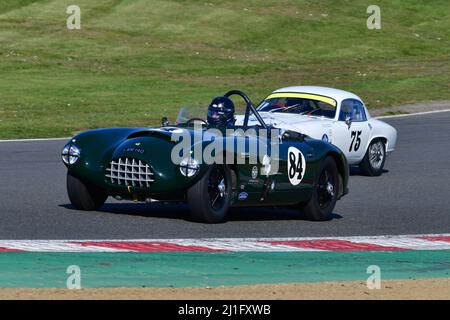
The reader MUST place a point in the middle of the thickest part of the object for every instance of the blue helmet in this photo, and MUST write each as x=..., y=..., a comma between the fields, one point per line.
x=221, y=111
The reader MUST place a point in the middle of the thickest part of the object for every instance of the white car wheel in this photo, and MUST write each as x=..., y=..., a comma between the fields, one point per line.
x=373, y=161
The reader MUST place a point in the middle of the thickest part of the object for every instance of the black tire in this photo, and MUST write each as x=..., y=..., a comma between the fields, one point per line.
x=84, y=196
x=206, y=202
x=373, y=161
x=321, y=204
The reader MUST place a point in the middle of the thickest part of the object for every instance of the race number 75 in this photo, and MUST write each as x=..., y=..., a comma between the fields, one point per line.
x=356, y=141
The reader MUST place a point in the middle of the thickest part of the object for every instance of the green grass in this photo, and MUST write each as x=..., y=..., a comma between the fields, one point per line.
x=203, y=269
x=135, y=61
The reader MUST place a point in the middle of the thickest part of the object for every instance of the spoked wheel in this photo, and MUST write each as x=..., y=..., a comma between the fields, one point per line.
x=209, y=198
x=324, y=196
x=325, y=189
x=373, y=162
x=217, y=188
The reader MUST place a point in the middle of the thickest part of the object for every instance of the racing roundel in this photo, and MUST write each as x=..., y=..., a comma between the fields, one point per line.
x=296, y=165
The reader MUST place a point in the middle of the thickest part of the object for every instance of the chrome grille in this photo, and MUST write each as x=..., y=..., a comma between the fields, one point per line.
x=129, y=172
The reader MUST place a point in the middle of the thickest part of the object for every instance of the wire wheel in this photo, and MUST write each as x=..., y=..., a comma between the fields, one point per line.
x=217, y=188
x=376, y=155
x=324, y=196
x=373, y=161
x=325, y=189
x=209, y=198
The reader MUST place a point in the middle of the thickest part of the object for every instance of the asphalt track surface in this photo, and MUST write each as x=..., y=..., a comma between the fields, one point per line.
x=411, y=197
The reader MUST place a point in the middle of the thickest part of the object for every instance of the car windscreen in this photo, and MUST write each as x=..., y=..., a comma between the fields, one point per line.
x=298, y=105
x=190, y=112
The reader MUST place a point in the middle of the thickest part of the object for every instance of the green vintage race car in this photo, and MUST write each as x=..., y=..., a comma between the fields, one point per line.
x=210, y=164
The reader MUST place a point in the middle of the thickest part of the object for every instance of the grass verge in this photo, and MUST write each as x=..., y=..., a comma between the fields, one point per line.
x=135, y=61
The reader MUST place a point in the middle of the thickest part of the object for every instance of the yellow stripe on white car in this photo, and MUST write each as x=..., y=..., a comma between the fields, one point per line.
x=330, y=101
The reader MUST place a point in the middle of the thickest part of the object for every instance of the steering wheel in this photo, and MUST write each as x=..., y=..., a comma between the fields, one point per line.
x=196, y=119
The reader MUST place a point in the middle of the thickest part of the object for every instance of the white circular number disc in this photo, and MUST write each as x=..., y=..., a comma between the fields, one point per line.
x=296, y=165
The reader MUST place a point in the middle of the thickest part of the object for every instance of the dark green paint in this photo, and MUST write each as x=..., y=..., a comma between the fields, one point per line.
x=98, y=147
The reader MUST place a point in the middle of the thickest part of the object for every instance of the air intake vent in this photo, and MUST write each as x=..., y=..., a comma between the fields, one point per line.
x=129, y=172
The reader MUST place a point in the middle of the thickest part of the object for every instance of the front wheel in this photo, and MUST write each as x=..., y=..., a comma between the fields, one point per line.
x=325, y=191
x=209, y=198
x=83, y=195
x=373, y=161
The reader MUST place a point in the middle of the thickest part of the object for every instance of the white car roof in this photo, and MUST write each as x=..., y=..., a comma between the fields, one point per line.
x=336, y=94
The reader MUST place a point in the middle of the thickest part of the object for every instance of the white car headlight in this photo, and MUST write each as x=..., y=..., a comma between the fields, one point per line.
x=189, y=167
x=70, y=154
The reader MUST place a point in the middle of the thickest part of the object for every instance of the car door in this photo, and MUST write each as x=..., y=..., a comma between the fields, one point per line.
x=294, y=177
x=288, y=178
x=351, y=132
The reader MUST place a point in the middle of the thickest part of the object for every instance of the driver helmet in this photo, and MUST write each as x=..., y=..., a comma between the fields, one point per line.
x=221, y=111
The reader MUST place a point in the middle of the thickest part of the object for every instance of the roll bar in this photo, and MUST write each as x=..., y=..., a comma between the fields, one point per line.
x=249, y=107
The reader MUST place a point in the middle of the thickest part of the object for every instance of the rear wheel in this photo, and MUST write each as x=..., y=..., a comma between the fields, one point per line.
x=325, y=192
x=373, y=161
x=209, y=198
x=83, y=195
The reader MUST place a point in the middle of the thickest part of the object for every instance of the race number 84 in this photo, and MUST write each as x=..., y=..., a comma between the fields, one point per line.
x=296, y=165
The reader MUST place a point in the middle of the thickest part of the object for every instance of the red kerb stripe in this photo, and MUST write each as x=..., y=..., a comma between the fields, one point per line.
x=436, y=238
x=145, y=246
x=9, y=250
x=335, y=245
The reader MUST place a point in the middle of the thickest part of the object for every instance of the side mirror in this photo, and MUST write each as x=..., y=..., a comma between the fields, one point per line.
x=165, y=122
x=348, y=121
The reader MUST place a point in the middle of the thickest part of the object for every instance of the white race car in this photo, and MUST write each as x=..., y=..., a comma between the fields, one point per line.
x=333, y=115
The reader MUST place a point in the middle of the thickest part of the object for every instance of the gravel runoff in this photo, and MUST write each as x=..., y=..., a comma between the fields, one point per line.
x=412, y=108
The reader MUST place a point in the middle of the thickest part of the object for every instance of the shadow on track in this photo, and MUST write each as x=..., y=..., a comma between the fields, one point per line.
x=356, y=171
x=180, y=211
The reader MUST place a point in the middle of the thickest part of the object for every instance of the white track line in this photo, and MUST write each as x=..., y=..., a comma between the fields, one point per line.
x=380, y=117
x=35, y=140
x=401, y=242
x=412, y=114
x=371, y=237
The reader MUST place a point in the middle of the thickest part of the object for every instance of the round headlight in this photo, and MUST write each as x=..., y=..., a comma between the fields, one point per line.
x=70, y=154
x=189, y=167
x=65, y=154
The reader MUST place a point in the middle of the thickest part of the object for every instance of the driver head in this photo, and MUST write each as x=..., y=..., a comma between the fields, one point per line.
x=221, y=111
